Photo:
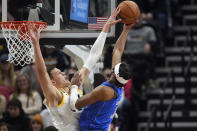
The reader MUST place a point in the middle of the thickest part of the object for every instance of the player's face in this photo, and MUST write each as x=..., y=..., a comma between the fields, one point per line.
x=60, y=78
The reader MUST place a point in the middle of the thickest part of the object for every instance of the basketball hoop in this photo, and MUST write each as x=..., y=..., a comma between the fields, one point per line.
x=19, y=43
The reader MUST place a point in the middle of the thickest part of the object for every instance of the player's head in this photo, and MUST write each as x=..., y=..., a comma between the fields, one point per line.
x=58, y=78
x=121, y=74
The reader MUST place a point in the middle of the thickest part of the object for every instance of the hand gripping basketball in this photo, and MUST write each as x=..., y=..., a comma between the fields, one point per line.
x=129, y=12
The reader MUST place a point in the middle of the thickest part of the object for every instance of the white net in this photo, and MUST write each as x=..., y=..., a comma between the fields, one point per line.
x=19, y=43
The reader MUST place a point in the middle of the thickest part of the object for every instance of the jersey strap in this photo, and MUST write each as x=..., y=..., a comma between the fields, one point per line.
x=63, y=101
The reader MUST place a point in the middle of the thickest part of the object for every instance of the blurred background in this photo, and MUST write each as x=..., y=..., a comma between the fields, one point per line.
x=161, y=49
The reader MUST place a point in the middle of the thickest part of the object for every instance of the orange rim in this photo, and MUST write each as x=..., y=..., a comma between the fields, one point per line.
x=17, y=24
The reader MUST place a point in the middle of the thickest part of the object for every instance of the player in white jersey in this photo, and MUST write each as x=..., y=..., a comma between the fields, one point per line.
x=63, y=116
x=56, y=86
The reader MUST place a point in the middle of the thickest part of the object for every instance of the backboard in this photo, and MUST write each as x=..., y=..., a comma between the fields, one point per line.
x=68, y=21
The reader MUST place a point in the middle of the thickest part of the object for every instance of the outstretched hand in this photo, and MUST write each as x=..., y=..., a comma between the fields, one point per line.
x=112, y=20
x=34, y=33
x=76, y=79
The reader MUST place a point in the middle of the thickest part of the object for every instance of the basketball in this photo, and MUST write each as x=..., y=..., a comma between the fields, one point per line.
x=129, y=12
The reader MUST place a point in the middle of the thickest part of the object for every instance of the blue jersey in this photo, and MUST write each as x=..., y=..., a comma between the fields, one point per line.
x=99, y=115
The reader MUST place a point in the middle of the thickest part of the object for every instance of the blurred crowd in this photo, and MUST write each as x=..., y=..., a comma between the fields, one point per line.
x=21, y=98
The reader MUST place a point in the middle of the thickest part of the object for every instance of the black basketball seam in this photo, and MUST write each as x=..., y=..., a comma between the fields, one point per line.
x=121, y=17
x=124, y=14
x=130, y=9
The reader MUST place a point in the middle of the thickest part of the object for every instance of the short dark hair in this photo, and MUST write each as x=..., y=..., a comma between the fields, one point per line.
x=15, y=102
x=125, y=71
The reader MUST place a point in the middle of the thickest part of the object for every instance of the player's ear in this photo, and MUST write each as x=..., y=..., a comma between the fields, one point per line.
x=53, y=82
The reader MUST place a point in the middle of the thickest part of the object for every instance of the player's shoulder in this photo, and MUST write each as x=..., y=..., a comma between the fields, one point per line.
x=106, y=88
x=104, y=92
x=103, y=88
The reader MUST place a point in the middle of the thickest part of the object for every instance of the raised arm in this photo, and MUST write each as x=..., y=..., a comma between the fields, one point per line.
x=97, y=47
x=103, y=93
x=120, y=45
x=51, y=93
x=93, y=57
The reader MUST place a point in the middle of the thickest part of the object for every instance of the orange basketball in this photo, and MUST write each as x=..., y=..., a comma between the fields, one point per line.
x=129, y=12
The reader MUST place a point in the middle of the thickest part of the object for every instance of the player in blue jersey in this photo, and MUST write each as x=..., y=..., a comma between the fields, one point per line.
x=101, y=104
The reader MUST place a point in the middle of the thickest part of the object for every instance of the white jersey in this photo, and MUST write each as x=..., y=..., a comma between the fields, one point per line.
x=63, y=117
